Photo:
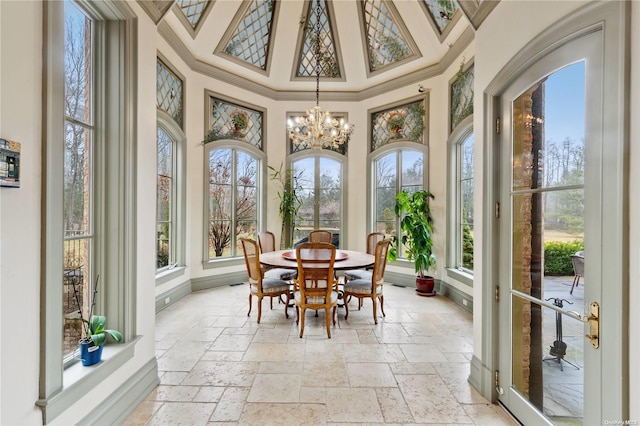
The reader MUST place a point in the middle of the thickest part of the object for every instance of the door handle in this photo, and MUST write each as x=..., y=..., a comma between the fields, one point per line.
x=593, y=319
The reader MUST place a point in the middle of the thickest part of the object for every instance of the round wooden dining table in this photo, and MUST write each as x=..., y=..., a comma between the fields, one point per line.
x=345, y=259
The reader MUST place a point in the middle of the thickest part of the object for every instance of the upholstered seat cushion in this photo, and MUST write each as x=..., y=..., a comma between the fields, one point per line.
x=358, y=274
x=316, y=300
x=360, y=287
x=271, y=286
x=281, y=274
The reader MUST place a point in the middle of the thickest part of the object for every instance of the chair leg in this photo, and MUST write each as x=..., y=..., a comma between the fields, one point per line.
x=301, y=321
x=271, y=302
x=286, y=305
x=259, y=309
x=328, y=321
x=381, y=297
x=375, y=310
x=576, y=280
x=346, y=307
x=250, y=298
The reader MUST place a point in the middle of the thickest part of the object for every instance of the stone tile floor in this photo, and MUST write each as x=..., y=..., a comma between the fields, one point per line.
x=218, y=366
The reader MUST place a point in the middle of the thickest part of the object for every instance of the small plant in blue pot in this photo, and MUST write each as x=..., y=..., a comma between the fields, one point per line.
x=94, y=331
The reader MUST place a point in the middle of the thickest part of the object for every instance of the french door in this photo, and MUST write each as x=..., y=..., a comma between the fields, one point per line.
x=559, y=343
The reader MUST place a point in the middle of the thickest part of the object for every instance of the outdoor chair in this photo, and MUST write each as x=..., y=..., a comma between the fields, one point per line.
x=578, y=269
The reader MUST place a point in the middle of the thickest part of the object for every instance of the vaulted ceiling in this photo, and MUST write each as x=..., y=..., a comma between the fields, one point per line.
x=363, y=44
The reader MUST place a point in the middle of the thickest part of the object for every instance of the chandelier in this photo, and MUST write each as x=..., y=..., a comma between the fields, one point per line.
x=318, y=129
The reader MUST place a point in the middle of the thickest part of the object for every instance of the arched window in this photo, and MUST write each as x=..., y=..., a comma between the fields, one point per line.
x=320, y=178
x=461, y=188
x=395, y=168
x=232, y=194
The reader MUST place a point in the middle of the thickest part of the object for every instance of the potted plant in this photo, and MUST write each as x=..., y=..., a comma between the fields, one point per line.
x=94, y=332
x=416, y=228
x=290, y=202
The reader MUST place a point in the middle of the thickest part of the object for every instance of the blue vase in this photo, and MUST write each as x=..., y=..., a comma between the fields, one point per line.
x=90, y=354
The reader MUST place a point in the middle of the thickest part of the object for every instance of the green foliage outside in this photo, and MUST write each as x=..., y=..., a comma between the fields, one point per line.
x=557, y=257
x=467, y=247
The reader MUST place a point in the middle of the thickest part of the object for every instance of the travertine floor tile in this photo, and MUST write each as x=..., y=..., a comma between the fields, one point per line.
x=219, y=367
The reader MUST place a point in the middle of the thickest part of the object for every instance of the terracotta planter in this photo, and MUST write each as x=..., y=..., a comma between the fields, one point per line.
x=425, y=286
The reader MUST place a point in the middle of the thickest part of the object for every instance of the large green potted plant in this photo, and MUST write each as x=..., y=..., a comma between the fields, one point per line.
x=290, y=202
x=416, y=226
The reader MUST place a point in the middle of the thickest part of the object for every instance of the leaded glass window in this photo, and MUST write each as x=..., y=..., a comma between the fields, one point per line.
x=441, y=12
x=193, y=10
x=461, y=96
x=386, y=43
x=328, y=57
x=251, y=40
x=232, y=121
x=404, y=122
x=169, y=92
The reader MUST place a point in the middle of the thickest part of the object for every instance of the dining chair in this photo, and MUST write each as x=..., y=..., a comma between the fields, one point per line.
x=316, y=287
x=267, y=243
x=370, y=287
x=320, y=236
x=578, y=268
x=358, y=274
x=260, y=286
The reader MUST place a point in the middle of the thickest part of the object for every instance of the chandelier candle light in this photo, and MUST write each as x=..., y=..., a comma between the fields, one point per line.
x=318, y=129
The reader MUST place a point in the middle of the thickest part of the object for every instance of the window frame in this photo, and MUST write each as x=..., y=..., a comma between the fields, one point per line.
x=342, y=161
x=115, y=52
x=454, y=200
x=398, y=148
x=261, y=179
x=178, y=202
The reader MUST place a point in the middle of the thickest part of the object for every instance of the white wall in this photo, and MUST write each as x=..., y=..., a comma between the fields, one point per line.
x=20, y=83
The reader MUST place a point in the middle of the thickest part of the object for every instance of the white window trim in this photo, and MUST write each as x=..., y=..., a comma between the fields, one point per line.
x=179, y=166
x=115, y=23
x=459, y=135
x=261, y=179
x=395, y=147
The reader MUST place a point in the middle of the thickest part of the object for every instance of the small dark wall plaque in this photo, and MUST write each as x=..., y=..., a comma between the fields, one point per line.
x=9, y=163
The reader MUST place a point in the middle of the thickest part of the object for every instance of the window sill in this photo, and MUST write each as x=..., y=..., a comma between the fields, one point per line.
x=79, y=380
x=458, y=275
x=227, y=261
x=169, y=274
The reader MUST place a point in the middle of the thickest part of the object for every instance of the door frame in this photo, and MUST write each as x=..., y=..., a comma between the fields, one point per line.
x=612, y=19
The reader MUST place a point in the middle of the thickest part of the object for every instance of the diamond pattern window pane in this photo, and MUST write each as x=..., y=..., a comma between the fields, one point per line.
x=193, y=9
x=402, y=123
x=461, y=96
x=385, y=42
x=328, y=56
x=441, y=11
x=231, y=121
x=250, y=41
x=169, y=92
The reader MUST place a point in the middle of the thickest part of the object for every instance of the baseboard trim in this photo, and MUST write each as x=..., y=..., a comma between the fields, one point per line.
x=482, y=379
x=457, y=296
x=124, y=400
x=205, y=283
x=173, y=295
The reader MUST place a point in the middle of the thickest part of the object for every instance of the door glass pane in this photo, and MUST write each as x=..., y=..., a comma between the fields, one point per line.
x=547, y=205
